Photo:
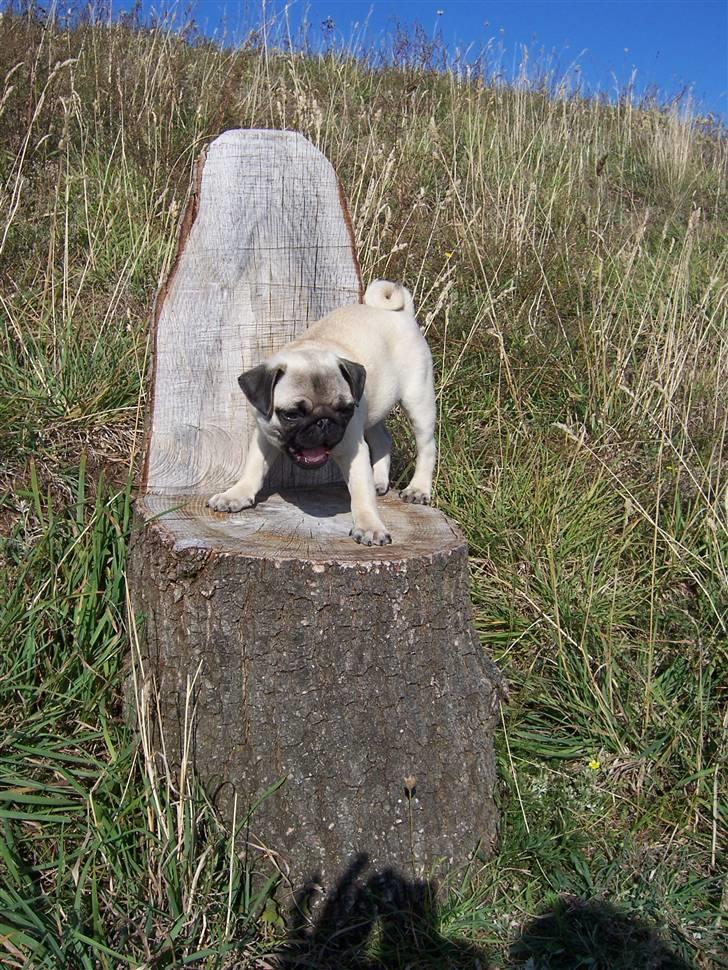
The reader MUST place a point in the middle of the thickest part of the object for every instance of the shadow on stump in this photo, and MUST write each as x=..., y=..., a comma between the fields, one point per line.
x=385, y=921
x=589, y=933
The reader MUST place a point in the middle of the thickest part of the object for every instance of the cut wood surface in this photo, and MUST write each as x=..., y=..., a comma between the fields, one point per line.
x=306, y=524
x=336, y=669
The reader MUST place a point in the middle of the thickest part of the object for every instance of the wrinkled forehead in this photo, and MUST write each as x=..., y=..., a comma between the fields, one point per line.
x=314, y=377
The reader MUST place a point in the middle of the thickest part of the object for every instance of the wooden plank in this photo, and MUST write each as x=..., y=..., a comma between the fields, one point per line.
x=266, y=250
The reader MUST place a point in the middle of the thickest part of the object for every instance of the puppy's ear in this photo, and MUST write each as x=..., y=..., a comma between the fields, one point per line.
x=355, y=375
x=257, y=385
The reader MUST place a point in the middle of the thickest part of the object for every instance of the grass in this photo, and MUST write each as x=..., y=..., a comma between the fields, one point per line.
x=568, y=260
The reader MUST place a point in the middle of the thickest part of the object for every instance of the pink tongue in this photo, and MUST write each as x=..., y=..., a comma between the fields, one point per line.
x=314, y=454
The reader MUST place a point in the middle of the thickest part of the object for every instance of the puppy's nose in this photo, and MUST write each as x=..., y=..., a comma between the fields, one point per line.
x=323, y=424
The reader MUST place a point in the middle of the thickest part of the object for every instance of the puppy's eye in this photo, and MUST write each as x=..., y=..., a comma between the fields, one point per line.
x=289, y=415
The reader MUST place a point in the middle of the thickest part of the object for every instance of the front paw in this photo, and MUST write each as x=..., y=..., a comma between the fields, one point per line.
x=415, y=496
x=371, y=537
x=230, y=502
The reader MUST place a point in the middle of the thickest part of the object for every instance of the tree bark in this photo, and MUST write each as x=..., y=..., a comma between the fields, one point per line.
x=352, y=675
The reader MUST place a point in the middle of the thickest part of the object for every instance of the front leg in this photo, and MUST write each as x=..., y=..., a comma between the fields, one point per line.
x=355, y=465
x=260, y=459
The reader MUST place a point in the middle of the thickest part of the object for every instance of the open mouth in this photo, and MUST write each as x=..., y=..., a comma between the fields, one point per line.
x=309, y=457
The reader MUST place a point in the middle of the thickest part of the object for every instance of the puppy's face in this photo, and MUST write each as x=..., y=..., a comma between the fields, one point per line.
x=304, y=402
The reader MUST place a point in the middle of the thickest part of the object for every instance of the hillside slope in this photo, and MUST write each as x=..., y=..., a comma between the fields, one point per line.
x=568, y=259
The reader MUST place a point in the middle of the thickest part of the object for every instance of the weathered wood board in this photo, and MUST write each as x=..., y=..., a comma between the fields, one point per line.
x=265, y=251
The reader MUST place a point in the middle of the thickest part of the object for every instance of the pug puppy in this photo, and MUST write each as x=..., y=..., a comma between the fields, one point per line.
x=326, y=394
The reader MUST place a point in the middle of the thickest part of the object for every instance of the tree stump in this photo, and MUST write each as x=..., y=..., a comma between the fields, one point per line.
x=350, y=674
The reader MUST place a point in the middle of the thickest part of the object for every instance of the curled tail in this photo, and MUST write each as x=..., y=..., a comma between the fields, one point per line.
x=389, y=296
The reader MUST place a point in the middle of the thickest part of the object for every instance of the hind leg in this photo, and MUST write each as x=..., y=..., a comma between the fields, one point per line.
x=419, y=405
x=380, y=449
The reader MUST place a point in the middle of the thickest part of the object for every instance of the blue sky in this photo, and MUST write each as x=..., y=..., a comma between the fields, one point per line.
x=669, y=43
